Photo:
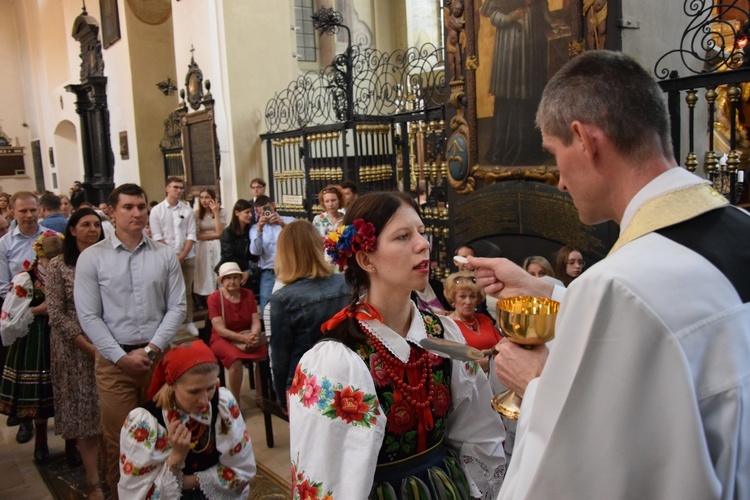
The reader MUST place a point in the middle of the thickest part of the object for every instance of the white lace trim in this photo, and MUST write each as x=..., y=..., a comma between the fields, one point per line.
x=212, y=490
x=484, y=484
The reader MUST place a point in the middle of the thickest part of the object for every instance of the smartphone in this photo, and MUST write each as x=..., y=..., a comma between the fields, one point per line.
x=267, y=210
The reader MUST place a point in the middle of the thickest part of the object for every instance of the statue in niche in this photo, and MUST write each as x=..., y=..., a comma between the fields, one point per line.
x=595, y=12
x=456, y=38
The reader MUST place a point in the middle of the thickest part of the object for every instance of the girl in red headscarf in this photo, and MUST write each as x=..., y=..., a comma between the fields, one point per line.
x=190, y=440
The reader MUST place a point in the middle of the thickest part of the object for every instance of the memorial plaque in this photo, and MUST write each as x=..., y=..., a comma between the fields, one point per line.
x=532, y=210
x=202, y=153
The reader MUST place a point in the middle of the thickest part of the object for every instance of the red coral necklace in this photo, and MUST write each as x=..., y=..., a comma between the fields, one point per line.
x=417, y=360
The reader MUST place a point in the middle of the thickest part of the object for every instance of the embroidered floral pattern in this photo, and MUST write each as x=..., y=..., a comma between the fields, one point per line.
x=234, y=410
x=129, y=469
x=142, y=433
x=228, y=478
x=335, y=401
x=472, y=367
x=21, y=292
x=377, y=370
x=304, y=488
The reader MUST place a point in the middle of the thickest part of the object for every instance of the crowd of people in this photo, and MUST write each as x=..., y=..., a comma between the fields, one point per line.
x=643, y=393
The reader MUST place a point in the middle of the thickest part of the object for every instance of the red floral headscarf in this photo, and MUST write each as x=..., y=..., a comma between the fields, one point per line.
x=177, y=361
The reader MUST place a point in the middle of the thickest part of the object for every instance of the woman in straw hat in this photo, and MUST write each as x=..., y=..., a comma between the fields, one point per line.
x=189, y=441
x=235, y=333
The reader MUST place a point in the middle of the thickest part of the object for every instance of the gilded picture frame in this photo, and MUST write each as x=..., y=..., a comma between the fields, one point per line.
x=508, y=51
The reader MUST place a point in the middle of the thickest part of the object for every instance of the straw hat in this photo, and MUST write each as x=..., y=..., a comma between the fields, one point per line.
x=230, y=268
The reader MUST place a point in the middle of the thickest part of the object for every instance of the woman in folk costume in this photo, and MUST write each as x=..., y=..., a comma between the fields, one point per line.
x=26, y=389
x=190, y=441
x=372, y=414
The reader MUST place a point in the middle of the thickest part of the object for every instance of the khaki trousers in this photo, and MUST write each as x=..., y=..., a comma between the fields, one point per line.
x=119, y=393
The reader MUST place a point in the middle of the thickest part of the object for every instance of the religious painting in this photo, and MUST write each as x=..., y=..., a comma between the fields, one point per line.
x=520, y=44
x=511, y=49
x=110, y=22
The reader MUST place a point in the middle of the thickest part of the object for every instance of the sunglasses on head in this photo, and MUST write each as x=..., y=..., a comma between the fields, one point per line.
x=465, y=278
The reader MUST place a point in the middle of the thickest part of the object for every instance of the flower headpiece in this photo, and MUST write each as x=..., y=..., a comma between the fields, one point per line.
x=38, y=243
x=346, y=241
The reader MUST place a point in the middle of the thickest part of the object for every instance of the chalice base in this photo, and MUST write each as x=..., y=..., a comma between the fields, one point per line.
x=508, y=404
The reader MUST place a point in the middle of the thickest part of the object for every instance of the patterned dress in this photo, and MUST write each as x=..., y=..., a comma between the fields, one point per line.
x=221, y=454
x=354, y=436
x=26, y=389
x=77, y=403
x=207, y=254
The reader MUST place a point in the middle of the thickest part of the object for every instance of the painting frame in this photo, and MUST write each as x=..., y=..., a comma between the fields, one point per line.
x=110, y=22
x=470, y=93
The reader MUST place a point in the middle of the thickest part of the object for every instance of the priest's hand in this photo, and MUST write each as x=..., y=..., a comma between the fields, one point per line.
x=516, y=366
x=502, y=278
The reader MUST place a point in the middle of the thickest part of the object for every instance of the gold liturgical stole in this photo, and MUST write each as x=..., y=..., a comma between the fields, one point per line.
x=670, y=209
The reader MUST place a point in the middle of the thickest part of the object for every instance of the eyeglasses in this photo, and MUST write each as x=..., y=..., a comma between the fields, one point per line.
x=465, y=278
x=580, y=262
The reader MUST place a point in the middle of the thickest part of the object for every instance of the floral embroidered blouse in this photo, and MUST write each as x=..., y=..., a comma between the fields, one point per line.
x=340, y=428
x=144, y=449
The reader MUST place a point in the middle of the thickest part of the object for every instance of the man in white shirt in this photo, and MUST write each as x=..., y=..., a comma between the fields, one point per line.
x=646, y=390
x=173, y=223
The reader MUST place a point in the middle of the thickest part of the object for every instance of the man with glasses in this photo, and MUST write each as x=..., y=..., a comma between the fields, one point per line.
x=258, y=187
x=173, y=223
x=646, y=390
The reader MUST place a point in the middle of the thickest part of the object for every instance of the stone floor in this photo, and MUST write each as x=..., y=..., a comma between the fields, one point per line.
x=20, y=480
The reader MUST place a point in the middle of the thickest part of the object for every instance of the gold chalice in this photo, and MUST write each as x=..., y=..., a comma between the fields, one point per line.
x=529, y=322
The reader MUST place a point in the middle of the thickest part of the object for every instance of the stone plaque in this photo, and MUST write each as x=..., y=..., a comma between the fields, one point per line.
x=202, y=153
x=528, y=209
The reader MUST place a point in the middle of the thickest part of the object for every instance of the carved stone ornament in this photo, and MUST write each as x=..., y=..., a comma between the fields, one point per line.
x=194, y=84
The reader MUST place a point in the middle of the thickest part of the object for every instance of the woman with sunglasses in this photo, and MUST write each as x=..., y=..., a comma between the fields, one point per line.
x=464, y=295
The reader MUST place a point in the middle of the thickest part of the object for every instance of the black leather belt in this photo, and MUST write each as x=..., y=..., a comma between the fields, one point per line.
x=128, y=348
x=266, y=270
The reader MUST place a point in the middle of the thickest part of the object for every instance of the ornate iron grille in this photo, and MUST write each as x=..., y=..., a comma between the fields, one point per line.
x=384, y=84
x=714, y=49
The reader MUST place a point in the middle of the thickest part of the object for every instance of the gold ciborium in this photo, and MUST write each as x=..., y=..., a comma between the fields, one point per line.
x=529, y=322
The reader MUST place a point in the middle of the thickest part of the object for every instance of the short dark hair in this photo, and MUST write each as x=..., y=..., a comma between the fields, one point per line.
x=128, y=189
x=259, y=181
x=614, y=93
x=50, y=201
x=350, y=185
x=70, y=246
x=262, y=200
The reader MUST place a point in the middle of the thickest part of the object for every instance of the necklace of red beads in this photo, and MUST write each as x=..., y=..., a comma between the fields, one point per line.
x=397, y=370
